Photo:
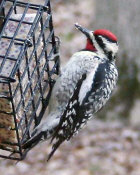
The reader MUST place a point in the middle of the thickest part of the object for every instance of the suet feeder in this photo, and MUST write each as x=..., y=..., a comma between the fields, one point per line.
x=27, y=72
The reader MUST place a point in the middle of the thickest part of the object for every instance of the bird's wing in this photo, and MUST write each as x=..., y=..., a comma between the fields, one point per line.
x=68, y=119
x=103, y=82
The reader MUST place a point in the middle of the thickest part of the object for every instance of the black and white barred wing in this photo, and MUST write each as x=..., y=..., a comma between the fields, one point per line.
x=69, y=119
x=100, y=88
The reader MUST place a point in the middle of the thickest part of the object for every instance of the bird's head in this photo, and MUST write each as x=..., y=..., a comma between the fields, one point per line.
x=100, y=40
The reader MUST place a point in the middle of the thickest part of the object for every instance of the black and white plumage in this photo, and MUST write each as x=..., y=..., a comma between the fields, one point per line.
x=83, y=88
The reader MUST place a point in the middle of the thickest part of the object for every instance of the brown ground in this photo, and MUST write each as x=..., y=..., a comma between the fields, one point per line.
x=102, y=148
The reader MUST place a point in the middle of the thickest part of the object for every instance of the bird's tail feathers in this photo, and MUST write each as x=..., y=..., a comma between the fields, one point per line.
x=42, y=132
x=33, y=141
x=54, y=148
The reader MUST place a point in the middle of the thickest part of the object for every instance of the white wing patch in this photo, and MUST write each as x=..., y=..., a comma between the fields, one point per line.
x=87, y=84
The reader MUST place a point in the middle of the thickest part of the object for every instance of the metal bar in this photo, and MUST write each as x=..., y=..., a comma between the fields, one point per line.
x=32, y=6
x=9, y=58
x=8, y=79
x=10, y=45
x=16, y=20
x=9, y=113
x=22, y=97
x=9, y=157
x=46, y=54
x=1, y=4
x=17, y=133
x=45, y=100
x=30, y=59
x=38, y=74
x=31, y=56
x=32, y=94
x=10, y=143
x=8, y=16
x=44, y=68
x=1, y=14
x=4, y=96
x=6, y=149
x=53, y=36
x=35, y=22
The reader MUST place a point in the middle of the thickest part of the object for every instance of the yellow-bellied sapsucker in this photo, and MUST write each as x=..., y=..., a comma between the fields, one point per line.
x=83, y=88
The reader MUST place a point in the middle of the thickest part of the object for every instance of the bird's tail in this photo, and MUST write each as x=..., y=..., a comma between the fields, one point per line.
x=34, y=140
x=54, y=148
x=43, y=131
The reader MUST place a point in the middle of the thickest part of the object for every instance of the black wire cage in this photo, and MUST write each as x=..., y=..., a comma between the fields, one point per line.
x=27, y=72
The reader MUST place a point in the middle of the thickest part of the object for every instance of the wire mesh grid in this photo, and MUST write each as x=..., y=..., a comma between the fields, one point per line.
x=27, y=74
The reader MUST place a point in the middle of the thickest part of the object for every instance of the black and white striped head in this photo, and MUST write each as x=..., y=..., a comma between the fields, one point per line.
x=101, y=40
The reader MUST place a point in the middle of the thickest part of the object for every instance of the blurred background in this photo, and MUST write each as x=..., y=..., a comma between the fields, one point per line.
x=110, y=143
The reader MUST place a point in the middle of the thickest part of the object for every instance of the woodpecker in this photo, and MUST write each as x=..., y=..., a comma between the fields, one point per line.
x=84, y=86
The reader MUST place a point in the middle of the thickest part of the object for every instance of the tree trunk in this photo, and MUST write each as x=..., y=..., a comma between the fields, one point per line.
x=122, y=18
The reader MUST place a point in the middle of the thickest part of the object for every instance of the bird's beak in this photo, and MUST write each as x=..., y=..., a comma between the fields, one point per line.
x=83, y=30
